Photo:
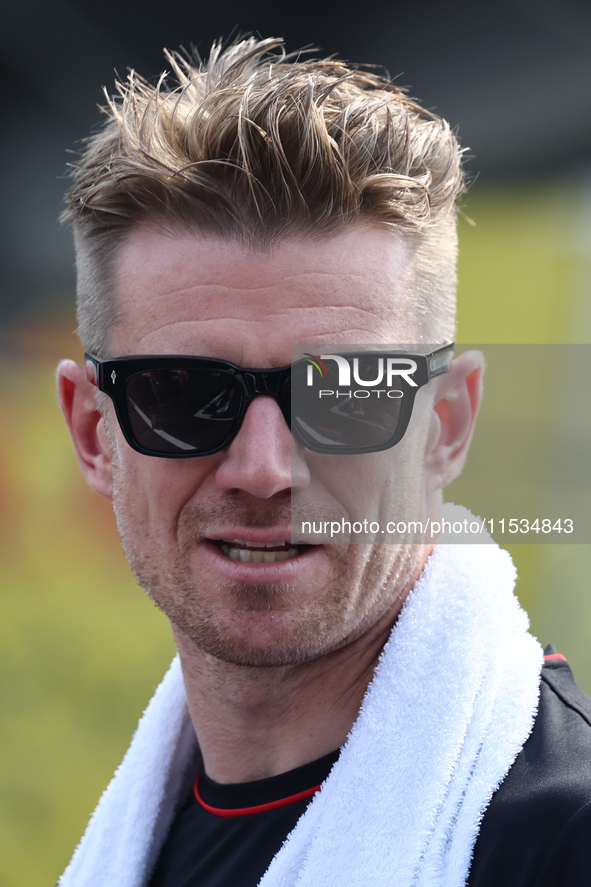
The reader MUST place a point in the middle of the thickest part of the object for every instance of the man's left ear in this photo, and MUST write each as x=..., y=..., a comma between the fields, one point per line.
x=457, y=401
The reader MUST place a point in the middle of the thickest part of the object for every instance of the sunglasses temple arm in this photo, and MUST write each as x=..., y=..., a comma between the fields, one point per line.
x=439, y=362
x=92, y=370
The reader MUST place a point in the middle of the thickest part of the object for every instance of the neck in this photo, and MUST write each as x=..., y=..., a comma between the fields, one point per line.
x=253, y=723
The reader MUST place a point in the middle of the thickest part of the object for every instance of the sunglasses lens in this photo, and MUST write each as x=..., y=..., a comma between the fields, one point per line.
x=356, y=418
x=183, y=411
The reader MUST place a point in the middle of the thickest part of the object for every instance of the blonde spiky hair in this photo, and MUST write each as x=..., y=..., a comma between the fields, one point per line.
x=258, y=146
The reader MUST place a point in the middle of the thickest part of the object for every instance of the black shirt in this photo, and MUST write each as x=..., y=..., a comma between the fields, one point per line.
x=536, y=831
x=205, y=849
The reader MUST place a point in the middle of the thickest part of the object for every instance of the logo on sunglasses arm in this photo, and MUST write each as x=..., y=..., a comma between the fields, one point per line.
x=387, y=368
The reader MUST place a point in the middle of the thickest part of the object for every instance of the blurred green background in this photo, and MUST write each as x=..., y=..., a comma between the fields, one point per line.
x=82, y=648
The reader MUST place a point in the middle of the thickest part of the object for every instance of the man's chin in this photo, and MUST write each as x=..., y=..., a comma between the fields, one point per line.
x=257, y=638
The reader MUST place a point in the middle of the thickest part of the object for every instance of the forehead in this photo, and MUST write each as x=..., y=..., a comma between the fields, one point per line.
x=213, y=297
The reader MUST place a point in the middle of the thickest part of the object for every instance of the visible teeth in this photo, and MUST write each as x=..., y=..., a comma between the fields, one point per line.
x=257, y=557
x=245, y=544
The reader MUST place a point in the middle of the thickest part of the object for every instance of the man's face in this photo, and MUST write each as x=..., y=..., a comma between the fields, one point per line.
x=179, y=519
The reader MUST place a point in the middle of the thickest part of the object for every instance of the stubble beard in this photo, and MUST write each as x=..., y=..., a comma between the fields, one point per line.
x=359, y=591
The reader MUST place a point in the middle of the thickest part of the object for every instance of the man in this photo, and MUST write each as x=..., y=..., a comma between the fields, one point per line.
x=264, y=203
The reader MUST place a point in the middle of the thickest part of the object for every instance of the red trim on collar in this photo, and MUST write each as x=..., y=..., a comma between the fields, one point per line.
x=259, y=808
x=553, y=656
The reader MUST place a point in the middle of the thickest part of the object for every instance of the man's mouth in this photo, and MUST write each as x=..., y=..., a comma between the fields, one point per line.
x=258, y=552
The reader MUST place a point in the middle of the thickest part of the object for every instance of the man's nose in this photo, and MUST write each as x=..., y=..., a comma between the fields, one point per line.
x=260, y=460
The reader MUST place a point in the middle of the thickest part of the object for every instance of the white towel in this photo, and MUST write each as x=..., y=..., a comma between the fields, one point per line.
x=451, y=704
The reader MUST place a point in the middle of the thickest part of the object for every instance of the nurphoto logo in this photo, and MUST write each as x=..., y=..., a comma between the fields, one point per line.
x=377, y=371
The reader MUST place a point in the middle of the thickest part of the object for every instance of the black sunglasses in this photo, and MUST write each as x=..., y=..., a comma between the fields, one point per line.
x=179, y=407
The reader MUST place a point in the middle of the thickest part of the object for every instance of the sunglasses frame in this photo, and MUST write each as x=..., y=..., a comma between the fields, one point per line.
x=111, y=377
